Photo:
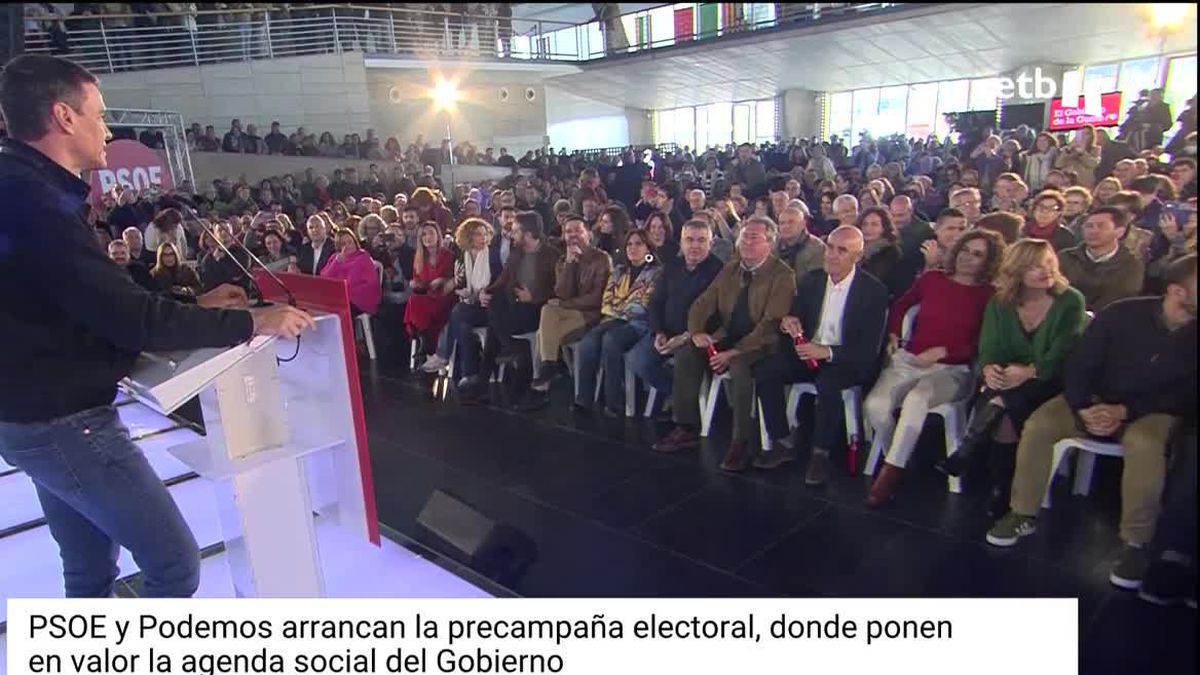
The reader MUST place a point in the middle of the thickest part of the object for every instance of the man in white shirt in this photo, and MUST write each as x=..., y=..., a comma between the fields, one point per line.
x=842, y=316
x=315, y=253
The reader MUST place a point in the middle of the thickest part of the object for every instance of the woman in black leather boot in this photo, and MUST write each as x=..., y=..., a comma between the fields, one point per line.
x=1029, y=327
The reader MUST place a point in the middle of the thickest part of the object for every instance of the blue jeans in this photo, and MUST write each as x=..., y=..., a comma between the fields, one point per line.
x=605, y=346
x=464, y=319
x=651, y=367
x=99, y=493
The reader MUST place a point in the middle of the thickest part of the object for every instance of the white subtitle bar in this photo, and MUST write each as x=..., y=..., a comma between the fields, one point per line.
x=575, y=636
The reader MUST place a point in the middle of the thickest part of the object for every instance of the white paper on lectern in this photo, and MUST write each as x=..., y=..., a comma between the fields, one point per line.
x=167, y=380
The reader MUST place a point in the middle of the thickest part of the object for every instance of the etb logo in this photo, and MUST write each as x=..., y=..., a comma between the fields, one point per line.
x=1037, y=85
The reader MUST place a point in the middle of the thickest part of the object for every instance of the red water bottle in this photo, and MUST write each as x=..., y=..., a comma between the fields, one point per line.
x=712, y=351
x=800, y=340
x=852, y=455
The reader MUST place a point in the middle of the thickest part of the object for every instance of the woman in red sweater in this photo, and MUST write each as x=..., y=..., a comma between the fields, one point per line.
x=432, y=286
x=934, y=368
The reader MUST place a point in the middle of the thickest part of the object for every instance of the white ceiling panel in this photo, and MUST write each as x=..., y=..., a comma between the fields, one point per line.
x=928, y=42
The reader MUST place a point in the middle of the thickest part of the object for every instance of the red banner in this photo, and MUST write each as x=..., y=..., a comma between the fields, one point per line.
x=1063, y=118
x=132, y=166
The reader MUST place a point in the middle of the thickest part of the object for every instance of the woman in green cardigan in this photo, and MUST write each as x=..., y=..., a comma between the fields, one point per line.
x=1029, y=327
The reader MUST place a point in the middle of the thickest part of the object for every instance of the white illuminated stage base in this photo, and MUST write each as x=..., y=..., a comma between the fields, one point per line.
x=281, y=478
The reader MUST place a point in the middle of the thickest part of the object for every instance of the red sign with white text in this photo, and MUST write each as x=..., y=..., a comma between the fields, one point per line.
x=132, y=166
x=1063, y=118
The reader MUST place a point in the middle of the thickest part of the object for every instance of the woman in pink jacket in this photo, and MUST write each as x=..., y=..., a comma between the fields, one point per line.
x=356, y=267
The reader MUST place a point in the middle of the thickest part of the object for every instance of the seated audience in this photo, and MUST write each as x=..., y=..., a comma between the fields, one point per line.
x=118, y=251
x=580, y=277
x=275, y=257
x=677, y=287
x=358, y=269
x=930, y=254
x=167, y=226
x=803, y=252
x=225, y=263
x=137, y=250
x=1047, y=221
x=477, y=267
x=882, y=253
x=934, y=366
x=623, y=323
x=1179, y=239
x=1007, y=225
x=171, y=276
x=1130, y=380
x=609, y=231
x=514, y=301
x=969, y=202
x=748, y=298
x=1029, y=329
x=319, y=249
x=831, y=337
x=1100, y=267
x=431, y=289
x=662, y=237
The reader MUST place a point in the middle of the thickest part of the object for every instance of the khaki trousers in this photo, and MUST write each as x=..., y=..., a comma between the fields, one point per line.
x=1142, y=479
x=556, y=324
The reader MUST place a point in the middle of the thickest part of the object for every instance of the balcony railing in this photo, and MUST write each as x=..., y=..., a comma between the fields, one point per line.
x=113, y=43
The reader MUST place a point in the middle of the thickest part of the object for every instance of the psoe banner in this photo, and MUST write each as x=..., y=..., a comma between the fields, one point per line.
x=132, y=166
x=582, y=636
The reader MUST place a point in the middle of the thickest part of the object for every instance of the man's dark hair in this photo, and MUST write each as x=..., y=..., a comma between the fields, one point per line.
x=507, y=208
x=1118, y=215
x=31, y=83
x=1184, y=161
x=1145, y=185
x=531, y=224
x=950, y=213
x=1182, y=271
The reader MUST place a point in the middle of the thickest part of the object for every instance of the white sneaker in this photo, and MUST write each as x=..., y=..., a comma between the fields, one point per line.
x=434, y=364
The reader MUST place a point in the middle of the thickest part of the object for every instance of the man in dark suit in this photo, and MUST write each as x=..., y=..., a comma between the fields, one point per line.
x=842, y=311
x=315, y=253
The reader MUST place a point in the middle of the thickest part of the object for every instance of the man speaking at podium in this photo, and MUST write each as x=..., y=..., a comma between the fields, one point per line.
x=73, y=324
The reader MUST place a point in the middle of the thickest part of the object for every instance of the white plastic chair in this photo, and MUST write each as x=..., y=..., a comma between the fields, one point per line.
x=631, y=380
x=570, y=354
x=851, y=409
x=364, y=320
x=954, y=416
x=1088, y=450
x=710, y=394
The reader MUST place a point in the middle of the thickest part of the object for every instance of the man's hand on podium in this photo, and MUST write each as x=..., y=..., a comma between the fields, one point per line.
x=281, y=320
x=225, y=296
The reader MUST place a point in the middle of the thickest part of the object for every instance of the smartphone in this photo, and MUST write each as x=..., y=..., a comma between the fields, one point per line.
x=1181, y=211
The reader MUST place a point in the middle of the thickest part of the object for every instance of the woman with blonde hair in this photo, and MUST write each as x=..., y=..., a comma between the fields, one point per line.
x=1029, y=327
x=1105, y=190
x=170, y=275
x=934, y=366
x=432, y=287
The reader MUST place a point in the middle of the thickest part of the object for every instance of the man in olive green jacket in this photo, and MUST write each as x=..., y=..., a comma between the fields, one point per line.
x=745, y=303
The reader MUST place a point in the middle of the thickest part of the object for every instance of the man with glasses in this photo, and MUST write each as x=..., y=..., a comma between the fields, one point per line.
x=968, y=201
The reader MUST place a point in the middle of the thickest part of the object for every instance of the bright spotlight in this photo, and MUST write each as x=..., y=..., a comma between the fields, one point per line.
x=1168, y=15
x=444, y=94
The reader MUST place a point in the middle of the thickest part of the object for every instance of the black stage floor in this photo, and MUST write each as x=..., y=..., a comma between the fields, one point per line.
x=602, y=515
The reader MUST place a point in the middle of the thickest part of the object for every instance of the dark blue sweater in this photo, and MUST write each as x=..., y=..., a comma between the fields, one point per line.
x=676, y=290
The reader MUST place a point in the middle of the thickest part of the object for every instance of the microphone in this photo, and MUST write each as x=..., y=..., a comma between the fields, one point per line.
x=291, y=299
x=240, y=266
